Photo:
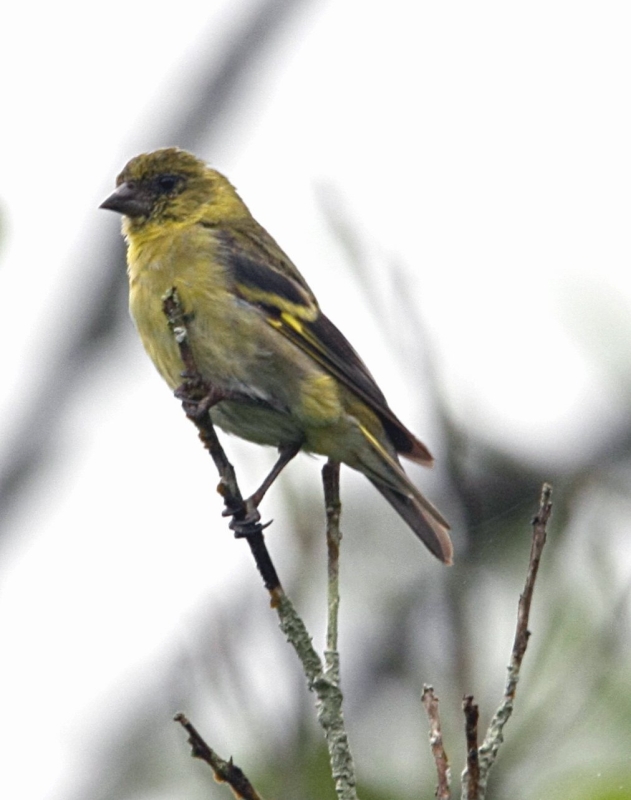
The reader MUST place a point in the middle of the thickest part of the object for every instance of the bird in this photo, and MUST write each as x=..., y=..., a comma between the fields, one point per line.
x=290, y=378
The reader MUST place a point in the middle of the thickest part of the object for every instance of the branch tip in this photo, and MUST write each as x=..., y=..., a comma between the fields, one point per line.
x=224, y=771
x=430, y=703
x=487, y=752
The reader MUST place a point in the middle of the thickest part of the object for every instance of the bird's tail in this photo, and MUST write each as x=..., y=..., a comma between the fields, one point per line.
x=387, y=475
x=425, y=520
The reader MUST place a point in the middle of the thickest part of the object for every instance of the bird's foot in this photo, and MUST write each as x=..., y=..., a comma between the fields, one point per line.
x=197, y=396
x=246, y=519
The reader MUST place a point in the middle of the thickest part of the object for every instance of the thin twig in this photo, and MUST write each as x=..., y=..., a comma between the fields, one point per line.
x=225, y=771
x=331, y=483
x=339, y=751
x=430, y=702
x=487, y=751
x=471, y=714
x=328, y=698
x=324, y=680
x=539, y=534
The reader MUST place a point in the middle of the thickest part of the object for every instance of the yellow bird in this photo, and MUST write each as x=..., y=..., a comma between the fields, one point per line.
x=256, y=330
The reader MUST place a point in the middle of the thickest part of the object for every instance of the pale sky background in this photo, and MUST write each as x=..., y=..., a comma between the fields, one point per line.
x=482, y=149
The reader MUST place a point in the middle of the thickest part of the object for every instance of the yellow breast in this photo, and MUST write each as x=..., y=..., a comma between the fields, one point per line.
x=185, y=260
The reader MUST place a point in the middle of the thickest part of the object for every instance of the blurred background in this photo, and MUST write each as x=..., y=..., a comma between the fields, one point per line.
x=453, y=181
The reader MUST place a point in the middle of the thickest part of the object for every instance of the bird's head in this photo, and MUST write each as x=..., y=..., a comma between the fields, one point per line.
x=172, y=186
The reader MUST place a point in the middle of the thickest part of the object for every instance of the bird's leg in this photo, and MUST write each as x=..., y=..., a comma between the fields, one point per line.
x=285, y=454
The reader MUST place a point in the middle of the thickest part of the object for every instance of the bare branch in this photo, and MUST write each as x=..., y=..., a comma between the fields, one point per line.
x=225, y=771
x=539, y=534
x=331, y=483
x=430, y=702
x=487, y=752
x=328, y=698
x=324, y=680
x=471, y=714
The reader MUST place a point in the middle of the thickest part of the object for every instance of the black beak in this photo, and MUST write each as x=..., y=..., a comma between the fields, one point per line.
x=128, y=199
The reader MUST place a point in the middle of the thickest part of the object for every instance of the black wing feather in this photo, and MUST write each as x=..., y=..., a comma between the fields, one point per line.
x=265, y=275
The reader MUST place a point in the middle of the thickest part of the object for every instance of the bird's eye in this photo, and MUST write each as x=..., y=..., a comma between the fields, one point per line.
x=167, y=183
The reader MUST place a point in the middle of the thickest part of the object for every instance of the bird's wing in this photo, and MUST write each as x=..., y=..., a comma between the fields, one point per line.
x=265, y=277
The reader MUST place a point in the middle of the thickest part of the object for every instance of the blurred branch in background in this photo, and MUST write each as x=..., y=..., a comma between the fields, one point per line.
x=211, y=94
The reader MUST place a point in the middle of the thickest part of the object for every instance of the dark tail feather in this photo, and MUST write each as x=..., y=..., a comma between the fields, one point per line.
x=430, y=527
